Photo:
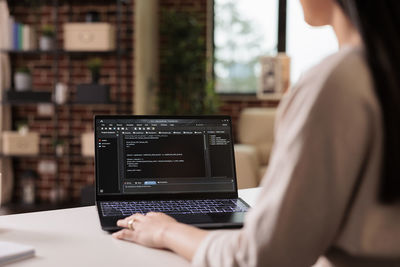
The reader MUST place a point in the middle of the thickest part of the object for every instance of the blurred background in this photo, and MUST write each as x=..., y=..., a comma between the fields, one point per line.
x=62, y=62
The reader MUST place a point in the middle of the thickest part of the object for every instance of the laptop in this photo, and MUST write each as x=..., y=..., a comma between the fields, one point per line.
x=183, y=166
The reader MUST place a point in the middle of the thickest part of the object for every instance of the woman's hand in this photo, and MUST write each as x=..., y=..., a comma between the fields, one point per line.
x=147, y=230
x=158, y=230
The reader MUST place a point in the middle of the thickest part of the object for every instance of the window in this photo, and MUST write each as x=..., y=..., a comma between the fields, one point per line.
x=306, y=45
x=244, y=31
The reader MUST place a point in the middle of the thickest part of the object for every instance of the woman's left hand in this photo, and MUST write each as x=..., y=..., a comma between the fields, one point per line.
x=146, y=229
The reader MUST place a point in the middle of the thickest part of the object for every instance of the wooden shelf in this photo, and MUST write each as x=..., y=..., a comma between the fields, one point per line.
x=50, y=156
x=62, y=52
x=27, y=102
x=23, y=103
x=83, y=3
x=29, y=96
x=89, y=104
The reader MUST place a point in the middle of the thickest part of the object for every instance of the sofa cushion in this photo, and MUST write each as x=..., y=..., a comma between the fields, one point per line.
x=247, y=166
x=256, y=127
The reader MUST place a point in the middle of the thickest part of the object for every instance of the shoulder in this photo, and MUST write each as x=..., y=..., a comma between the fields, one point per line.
x=338, y=89
x=345, y=74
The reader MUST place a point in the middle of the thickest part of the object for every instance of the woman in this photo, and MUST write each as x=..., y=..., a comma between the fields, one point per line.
x=332, y=186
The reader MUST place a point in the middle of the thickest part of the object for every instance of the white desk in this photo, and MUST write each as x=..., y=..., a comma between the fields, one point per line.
x=73, y=237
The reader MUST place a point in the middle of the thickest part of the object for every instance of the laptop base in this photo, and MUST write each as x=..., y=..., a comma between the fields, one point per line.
x=200, y=220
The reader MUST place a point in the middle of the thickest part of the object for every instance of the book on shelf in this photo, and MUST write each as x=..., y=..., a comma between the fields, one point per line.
x=20, y=36
x=4, y=25
x=15, y=35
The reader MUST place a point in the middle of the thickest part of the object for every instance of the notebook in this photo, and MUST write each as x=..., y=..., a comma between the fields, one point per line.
x=10, y=252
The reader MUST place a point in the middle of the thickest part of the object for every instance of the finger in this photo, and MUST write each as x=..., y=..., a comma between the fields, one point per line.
x=135, y=217
x=129, y=217
x=153, y=213
x=124, y=234
x=160, y=215
x=122, y=223
x=116, y=234
x=138, y=217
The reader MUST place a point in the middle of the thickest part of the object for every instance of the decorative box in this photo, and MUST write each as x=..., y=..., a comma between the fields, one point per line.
x=92, y=93
x=87, y=144
x=89, y=36
x=15, y=143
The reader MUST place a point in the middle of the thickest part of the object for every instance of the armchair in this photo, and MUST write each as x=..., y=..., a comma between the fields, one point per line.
x=255, y=137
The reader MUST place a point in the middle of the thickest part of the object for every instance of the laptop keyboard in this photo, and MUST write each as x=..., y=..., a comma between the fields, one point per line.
x=127, y=208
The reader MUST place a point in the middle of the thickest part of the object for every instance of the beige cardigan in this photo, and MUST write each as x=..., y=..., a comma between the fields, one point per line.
x=319, y=195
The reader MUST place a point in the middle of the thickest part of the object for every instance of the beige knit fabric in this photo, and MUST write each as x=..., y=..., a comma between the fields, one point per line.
x=328, y=148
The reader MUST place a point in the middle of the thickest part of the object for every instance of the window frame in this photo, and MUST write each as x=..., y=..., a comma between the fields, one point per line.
x=281, y=45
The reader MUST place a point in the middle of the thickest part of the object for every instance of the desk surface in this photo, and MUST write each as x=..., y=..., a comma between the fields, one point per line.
x=73, y=237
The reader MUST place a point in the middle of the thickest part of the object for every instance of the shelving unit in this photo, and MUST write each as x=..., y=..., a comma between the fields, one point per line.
x=24, y=103
x=48, y=156
x=118, y=105
x=62, y=52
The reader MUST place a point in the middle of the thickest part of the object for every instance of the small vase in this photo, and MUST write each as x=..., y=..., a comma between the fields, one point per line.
x=59, y=150
x=61, y=93
x=28, y=192
x=46, y=43
x=57, y=194
x=22, y=81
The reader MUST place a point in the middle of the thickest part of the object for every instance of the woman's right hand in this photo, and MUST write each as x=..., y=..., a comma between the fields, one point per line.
x=147, y=230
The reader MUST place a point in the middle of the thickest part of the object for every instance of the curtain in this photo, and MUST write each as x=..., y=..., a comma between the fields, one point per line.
x=6, y=173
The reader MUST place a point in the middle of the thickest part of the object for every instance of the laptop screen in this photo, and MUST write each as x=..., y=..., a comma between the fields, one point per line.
x=150, y=155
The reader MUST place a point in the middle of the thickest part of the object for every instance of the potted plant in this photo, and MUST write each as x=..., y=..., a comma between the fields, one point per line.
x=22, y=127
x=59, y=147
x=186, y=89
x=94, y=66
x=94, y=92
x=23, y=79
x=46, y=41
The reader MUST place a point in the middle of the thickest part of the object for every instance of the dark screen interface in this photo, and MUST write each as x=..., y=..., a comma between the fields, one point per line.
x=150, y=156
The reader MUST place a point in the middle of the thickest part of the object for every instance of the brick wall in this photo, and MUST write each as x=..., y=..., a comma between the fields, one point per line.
x=74, y=171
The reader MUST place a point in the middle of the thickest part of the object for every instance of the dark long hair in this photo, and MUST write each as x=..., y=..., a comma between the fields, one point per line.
x=378, y=22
